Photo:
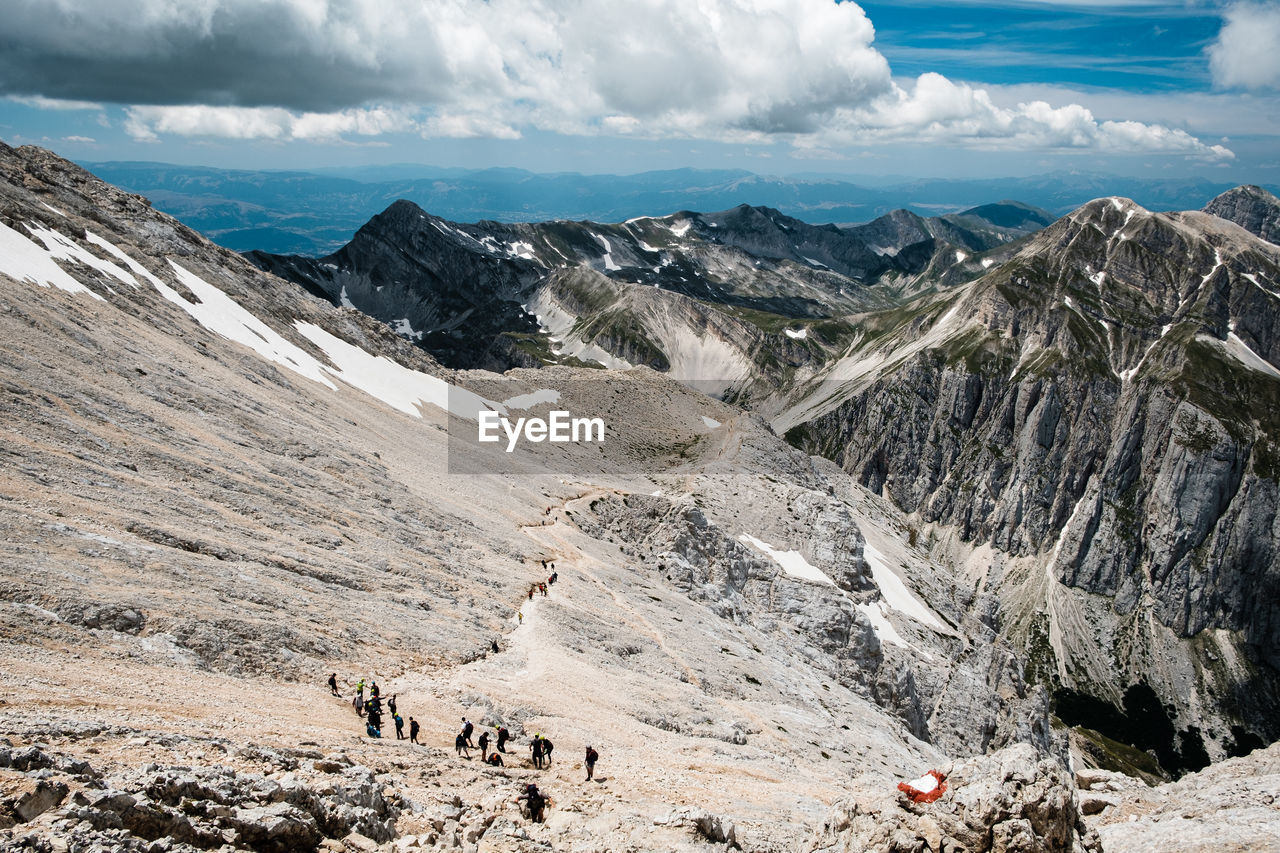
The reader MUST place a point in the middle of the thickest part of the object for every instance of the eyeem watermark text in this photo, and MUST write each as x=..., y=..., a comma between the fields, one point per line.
x=558, y=427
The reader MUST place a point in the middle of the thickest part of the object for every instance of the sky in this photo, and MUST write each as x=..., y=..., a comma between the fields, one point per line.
x=912, y=88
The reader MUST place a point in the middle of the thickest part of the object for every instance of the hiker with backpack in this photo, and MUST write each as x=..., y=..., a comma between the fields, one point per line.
x=333, y=684
x=535, y=750
x=535, y=801
x=467, y=729
x=399, y=721
x=592, y=758
x=460, y=746
x=413, y=730
x=483, y=742
x=503, y=737
x=547, y=746
x=494, y=760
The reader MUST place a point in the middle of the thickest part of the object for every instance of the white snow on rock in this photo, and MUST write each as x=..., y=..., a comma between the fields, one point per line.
x=960, y=256
x=344, y=300
x=792, y=562
x=608, y=253
x=815, y=263
x=394, y=384
x=1235, y=347
x=711, y=423
x=681, y=229
x=534, y=398
x=521, y=249
x=796, y=335
x=25, y=260
x=986, y=265
x=115, y=252
x=54, y=209
x=895, y=592
x=404, y=329
x=222, y=315
x=874, y=611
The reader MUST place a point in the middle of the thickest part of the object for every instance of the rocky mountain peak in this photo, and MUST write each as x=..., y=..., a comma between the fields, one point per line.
x=1252, y=208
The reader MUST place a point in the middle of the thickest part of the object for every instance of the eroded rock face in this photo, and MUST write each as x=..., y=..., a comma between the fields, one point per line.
x=1102, y=406
x=1252, y=208
x=1008, y=801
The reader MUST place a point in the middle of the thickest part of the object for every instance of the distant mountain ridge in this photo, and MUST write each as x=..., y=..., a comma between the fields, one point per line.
x=314, y=213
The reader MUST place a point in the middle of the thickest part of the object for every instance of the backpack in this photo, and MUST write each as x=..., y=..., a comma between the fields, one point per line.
x=592, y=756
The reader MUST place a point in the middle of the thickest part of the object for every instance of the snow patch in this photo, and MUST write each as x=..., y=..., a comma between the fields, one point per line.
x=1235, y=347
x=792, y=562
x=608, y=253
x=815, y=263
x=895, y=592
x=25, y=260
x=344, y=300
x=986, y=265
x=711, y=423
x=796, y=335
x=960, y=256
x=884, y=629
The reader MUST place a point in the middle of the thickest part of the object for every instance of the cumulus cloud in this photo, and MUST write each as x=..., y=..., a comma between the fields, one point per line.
x=741, y=70
x=1246, y=54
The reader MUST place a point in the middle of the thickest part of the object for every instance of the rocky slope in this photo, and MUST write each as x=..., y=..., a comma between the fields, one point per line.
x=1091, y=426
x=219, y=488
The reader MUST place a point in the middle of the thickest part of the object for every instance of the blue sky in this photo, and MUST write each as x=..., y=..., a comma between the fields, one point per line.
x=963, y=89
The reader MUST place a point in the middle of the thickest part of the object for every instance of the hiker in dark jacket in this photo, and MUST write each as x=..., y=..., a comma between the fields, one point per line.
x=391, y=704
x=494, y=760
x=333, y=684
x=592, y=758
x=535, y=750
x=413, y=730
x=547, y=746
x=483, y=742
x=536, y=802
x=467, y=729
x=460, y=746
x=399, y=721
x=503, y=737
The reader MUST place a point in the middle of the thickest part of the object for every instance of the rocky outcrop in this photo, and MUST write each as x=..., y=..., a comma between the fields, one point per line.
x=1252, y=208
x=1009, y=801
x=309, y=798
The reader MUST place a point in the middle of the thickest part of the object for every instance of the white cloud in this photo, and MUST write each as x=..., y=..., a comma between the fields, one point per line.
x=40, y=102
x=146, y=123
x=939, y=110
x=1246, y=54
x=744, y=71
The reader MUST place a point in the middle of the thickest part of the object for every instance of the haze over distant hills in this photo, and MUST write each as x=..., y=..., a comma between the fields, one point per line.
x=314, y=213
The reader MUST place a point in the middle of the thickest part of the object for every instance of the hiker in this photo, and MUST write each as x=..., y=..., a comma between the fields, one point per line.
x=374, y=713
x=532, y=587
x=494, y=760
x=519, y=617
x=592, y=758
x=542, y=587
x=371, y=730
x=535, y=800
x=358, y=705
x=399, y=721
x=467, y=729
x=544, y=564
x=555, y=576
x=535, y=749
x=547, y=746
x=503, y=737
x=333, y=684
x=494, y=646
x=483, y=742
x=360, y=690
x=373, y=690
x=413, y=730
x=391, y=704
x=460, y=746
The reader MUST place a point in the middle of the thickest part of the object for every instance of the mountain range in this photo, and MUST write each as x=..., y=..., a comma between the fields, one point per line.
x=989, y=493
x=314, y=213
